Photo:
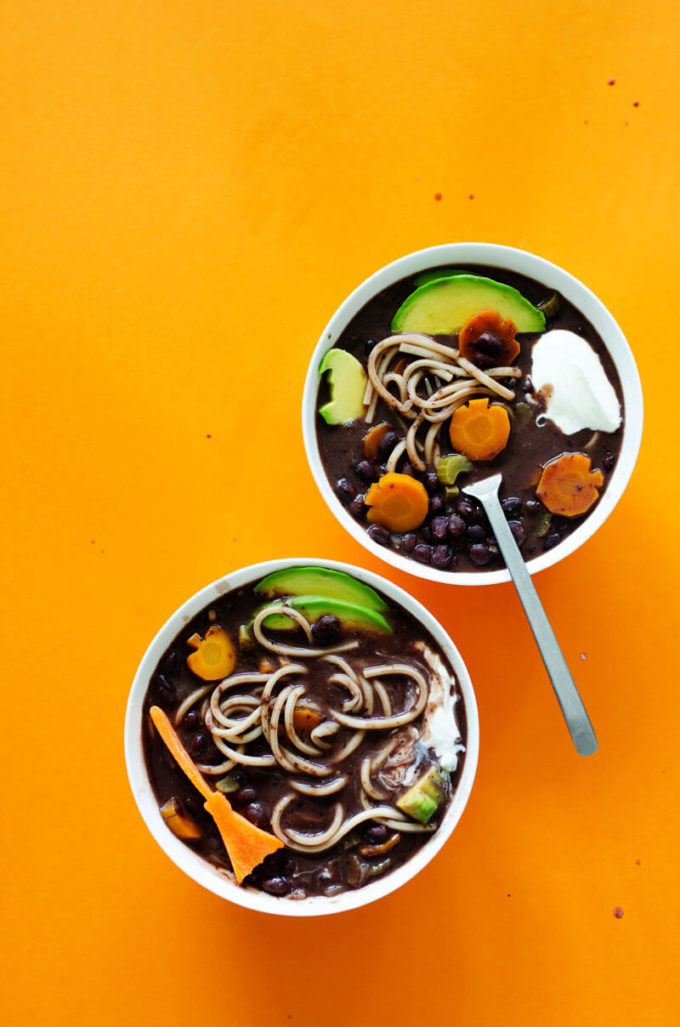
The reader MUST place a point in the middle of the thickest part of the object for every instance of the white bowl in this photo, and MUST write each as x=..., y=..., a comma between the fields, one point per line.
x=199, y=869
x=521, y=262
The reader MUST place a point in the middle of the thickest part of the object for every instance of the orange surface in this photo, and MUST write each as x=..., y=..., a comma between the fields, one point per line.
x=189, y=189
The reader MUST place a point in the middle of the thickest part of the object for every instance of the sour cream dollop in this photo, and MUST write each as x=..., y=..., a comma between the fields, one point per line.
x=568, y=372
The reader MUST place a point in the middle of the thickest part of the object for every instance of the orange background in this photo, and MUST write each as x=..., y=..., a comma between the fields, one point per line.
x=189, y=189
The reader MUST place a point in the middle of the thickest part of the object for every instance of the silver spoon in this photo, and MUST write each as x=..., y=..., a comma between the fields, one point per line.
x=573, y=710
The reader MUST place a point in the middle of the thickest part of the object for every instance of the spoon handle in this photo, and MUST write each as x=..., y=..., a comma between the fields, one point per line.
x=573, y=710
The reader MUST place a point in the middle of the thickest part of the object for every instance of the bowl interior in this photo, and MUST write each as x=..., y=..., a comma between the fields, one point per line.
x=210, y=876
x=490, y=255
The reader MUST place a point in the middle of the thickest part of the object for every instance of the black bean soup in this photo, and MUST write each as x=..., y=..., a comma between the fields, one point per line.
x=303, y=767
x=455, y=533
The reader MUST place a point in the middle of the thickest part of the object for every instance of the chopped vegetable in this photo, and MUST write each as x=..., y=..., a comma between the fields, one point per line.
x=305, y=718
x=423, y=799
x=550, y=305
x=227, y=784
x=246, y=844
x=215, y=656
x=372, y=440
x=397, y=501
x=178, y=822
x=245, y=638
x=544, y=524
x=568, y=486
x=449, y=467
x=488, y=340
x=480, y=431
x=523, y=413
x=380, y=848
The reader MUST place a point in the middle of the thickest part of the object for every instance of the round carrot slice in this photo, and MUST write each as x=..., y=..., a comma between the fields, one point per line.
x=487, y=340
x=397, y=501
x=480, y=431
x=568, y=486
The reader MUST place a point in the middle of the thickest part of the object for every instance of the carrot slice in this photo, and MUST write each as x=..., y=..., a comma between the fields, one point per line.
x=568, y=486
x=480, y=431
x=487, y=340
x=215, y=656
x=246, y=844
x=397, y=501
x=372, y=440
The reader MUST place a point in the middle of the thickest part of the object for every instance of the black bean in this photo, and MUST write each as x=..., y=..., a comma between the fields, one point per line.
x=426, y=533
x=377, y=833
x=245, y=794
x=512, y=507
x=327, y=629
x=456, y=525
x=165, y=689
x=479, y=554
x=608, y=461
x=533, y=506
x=409, y=540
x=465, y=509
x=431, y=481
x=170, y=662
x=367, y=470
x=439, y=527
x=379, y=533
x=528, y=385
x=410, y=470
x=255, y=814
x=387, y=444
x=436, y=504
x=552, y=540
x=369, y=345
x=476, y=533
x=198, y=744
x=345, y=490
x=191, y=720
x=357, y=505
x=275, y=885
x=442, y=556
x=423, y=553
x=517, y=529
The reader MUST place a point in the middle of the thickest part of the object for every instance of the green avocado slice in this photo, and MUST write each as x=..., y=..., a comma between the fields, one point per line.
x=350, y=615
x=347, y=381
x=319, y=581
x=442, y=307
x=424, y=798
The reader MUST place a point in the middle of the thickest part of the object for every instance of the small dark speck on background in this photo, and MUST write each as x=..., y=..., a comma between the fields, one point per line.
x=618, y=912
x=471, y=196
x=638, y=862
x=438, y=196
x=611, y=81
x=636, y=103
x=584, y=656
x=508, y=896
x=208, y=436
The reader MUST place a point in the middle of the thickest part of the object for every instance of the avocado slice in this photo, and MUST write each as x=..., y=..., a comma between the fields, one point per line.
x=347, y=380
x=350, y=615
x=319, y=581
x=435, y=274
x=423, y=799
x=443, y=306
